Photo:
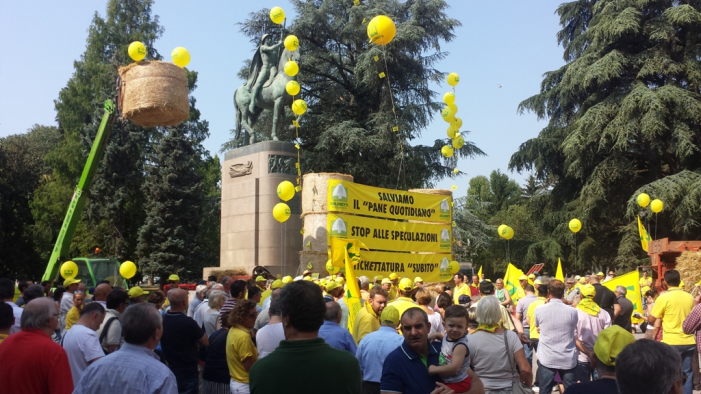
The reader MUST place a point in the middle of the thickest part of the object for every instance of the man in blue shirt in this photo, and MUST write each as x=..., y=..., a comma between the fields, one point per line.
x=374, y=348
x=336, y=336
x=406, y=368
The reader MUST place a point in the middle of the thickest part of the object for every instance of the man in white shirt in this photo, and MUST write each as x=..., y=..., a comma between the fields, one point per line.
x=81, y=342
x=268, y=338
x=112, y=340
x=71, y=286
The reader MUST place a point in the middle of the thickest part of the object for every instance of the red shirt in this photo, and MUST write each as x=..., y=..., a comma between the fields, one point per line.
x=31, y=363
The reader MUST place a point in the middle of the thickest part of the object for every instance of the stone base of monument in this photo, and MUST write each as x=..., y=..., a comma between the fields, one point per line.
x=250, y=236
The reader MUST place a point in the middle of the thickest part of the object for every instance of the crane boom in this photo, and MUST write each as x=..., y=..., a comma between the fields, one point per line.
x=77, y=204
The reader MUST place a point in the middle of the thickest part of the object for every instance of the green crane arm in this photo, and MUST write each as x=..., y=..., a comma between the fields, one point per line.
x=80, y=195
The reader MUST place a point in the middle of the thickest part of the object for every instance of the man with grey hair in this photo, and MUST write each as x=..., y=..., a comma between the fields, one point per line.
x=135, y=368
x=196, y=300
x=364, y=284
x=203, y=307
x=622, y=309
x=226, y=283
x=30, y=361
x=647, y=366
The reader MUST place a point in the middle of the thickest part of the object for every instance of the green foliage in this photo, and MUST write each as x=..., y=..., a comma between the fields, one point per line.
x=348, y=125
x=623, y=113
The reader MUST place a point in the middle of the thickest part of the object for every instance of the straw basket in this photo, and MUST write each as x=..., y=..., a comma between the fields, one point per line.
x=689, y=267
x=437, y=192
x=314, y=191
x=153, y=94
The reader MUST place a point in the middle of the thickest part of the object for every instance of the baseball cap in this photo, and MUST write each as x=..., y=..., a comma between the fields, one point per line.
x=537, y=282
x=70, y=281
x=378, y=277
x=610, y=343
x=332, y=285
x=523, y=277
x=582, y=280
x=174, y=277
x=531, y=276
x=286, y=280
x=486, y=288
x=389, y=316
x=277, y=284
x=386, y=280
x=418, y=280
x=406, y=284
x=587, y=291
x=136, y=291
x=308, y=278
x=599, y=273
x=260, y=279
x=464, y=299
x=393, y=276
x=340, y=280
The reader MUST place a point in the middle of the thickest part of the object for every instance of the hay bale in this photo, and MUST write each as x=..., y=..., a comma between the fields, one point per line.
x=315, y=190
x=315, y=232
x=153, y=94
x=689, y=267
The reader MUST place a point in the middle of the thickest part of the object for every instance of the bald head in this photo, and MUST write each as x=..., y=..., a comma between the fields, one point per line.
x=178, y=300
x=333, y=312
x=593, y=279
x=101, y=292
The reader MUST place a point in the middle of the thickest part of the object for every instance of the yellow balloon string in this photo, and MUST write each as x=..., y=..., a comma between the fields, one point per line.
x=396, y=119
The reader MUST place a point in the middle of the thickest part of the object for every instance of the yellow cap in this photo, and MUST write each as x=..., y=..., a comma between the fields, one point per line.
x=389, y=316
x=136, y=291
x=537, y=282
x=386, y=280
x=406, y=284
x=332, y=286
x=393, y=276
x=599, y=273
x=588, y=291
x=308, y=278
x=277, y=284
x=378, y=277
x=531, y=276
x=260, y=279
x=316, y=282
x=322, y=282
x=70, y=281
x=340, y=280
x=174, y=278
x=418, y=280
x=523, y=277
x=582, y=280
x=286, y=280
x=610, y=343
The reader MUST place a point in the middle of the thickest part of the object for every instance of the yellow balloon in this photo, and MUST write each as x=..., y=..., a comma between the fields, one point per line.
x=299, y=107
x=501, y=228
x=454, y=108
x=137, y=51
x=281, y=212
x=381, y=30
x=454, y=267
x=292, y=88
x=453, y=79
x=452, y=131
x=643, y=200
x=449, y=98
x=657, y=205
x=333, y=270
x=457, y=122
x=291, y=68
x=180, y=56
x=285, y=190
x=277, y=15
x=458, y=142
x=448, y=114
x=291, y=43
x=447, y=151
x=506, y=232
x=69, y=270
x=127, y=269
x=575, y=225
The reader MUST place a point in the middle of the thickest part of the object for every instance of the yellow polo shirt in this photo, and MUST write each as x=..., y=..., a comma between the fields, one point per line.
x=530, y=315
x=239, y=347
x=366, y=321
x=72, y=317
x=463, y=289
x=673, y=307
x=402, y=304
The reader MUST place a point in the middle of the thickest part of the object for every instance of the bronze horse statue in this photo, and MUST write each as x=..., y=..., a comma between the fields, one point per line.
x=272, y=95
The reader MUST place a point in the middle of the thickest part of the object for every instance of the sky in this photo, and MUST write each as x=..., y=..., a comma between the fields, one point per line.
x=500, y=52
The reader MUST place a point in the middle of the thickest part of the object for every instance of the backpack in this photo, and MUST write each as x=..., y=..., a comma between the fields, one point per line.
x=105, y=330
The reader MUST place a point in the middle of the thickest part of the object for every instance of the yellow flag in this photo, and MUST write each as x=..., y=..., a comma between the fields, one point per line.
x=558, y=275
x=631, y=281
x=644, y=236
x=511, y=282
x=346, y=253
x=479, y=273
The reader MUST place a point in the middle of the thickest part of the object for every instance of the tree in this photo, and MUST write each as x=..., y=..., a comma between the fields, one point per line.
x=349, y=123
x=623, y=112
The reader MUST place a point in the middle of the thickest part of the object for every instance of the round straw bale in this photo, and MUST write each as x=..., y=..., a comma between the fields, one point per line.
x=153, y=94
x=689, y=267
x=315, y=232
x=315, y=190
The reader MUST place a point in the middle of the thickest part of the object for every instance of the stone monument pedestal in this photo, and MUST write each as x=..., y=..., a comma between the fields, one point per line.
x=250, y=236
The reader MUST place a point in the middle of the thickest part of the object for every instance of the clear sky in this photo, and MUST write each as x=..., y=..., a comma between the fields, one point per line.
x=502, y=42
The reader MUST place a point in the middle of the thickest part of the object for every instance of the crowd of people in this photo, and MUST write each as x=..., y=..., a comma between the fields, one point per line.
x=300, y=336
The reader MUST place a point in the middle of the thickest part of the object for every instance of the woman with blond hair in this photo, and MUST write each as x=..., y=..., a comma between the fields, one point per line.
x=423, y=298
x=241, y=353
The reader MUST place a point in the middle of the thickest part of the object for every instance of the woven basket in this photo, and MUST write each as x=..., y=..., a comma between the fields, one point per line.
x=153, y=94
x=315, y=191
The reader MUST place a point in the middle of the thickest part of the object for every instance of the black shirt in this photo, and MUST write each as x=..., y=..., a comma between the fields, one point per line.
x=604, y=298
x=215, y=367
x=623, y=318
x=599, y=386
x=179, y=344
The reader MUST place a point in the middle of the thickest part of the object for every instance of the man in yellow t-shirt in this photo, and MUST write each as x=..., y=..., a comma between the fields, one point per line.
x=74, y=313
x=404, y=301
x=461, y=288
x=530, y=315
x=673, y=307
x=645, y=283
x=368, y=318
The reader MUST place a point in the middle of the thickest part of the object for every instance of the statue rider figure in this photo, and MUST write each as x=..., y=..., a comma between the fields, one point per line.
x=263, y=66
